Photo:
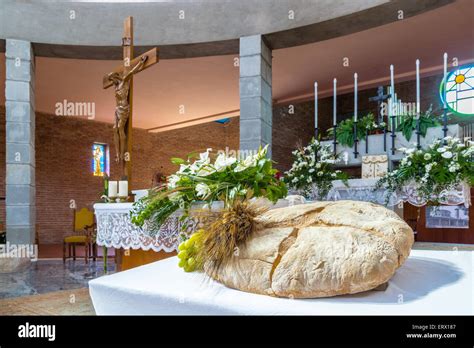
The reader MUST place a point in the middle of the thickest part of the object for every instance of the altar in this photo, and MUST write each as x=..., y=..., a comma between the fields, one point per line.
x=135, y=245
x=431, y=282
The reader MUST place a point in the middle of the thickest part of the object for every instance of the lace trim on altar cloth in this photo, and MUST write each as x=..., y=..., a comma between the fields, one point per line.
x=457, y=195
x=115, y=230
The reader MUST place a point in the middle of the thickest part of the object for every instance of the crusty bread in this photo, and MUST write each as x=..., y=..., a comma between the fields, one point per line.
x=319, y=250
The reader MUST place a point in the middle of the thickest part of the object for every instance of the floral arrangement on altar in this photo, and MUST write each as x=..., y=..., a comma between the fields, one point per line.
x=312, y=170
x=226, y=179
x=442, y=166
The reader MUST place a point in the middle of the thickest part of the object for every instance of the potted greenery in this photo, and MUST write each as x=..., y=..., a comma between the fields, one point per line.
x=345, y=129
x=409, y=123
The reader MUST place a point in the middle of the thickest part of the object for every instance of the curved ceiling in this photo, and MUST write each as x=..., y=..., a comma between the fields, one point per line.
x=207, y=86
x=188, y=28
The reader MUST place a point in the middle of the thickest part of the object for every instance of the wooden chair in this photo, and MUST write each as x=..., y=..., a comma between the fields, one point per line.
x=83, y=229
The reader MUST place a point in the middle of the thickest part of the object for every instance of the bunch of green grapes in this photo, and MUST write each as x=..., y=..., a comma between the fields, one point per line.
x=187, y=253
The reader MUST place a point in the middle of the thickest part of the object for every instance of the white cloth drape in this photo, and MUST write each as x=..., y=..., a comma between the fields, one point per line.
x=429, y=283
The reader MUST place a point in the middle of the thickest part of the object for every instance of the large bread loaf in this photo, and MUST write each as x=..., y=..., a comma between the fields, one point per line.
x=319, y=250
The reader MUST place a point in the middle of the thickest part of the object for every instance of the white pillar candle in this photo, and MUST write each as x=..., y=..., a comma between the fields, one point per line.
x=123, y=188
x=355, y=97
x=113, y=189
x=334, y=116
x=417, y=87
x=315, y=105
x=445, y=74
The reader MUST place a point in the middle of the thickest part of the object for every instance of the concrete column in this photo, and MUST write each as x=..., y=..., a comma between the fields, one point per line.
x=255, y=93
x=20, y=142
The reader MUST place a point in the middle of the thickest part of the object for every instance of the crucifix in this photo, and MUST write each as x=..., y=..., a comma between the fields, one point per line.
x=121, y=78
x=379, y=98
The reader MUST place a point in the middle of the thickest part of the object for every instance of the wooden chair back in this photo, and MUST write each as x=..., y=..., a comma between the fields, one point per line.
x=82, y=219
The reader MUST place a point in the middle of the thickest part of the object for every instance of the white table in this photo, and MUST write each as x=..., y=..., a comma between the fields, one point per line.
x=429, y=283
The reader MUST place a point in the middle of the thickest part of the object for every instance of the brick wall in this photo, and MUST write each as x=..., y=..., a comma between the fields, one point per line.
x=63, y=162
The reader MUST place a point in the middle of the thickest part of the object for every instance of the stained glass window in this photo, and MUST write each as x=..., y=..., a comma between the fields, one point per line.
x=460, y=90
x=99, y=159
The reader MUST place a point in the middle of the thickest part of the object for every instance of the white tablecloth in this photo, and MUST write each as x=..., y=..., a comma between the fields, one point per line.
x=429, y=283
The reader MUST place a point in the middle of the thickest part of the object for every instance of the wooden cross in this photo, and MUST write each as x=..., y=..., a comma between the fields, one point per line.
x=379, y=98
x=122, y=79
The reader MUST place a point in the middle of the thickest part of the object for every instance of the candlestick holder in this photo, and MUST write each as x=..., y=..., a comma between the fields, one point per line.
x=418, y=133
x=121, y=199
x=366, y=141
x=316, y=134
x=393, y=135
x=107, y=199
x=335, y=140
x=355, y=139
x=445, y=124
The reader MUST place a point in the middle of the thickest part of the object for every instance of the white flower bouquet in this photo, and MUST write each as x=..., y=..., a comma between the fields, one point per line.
x=313, y=170
x=443, y=165
x=225, y=179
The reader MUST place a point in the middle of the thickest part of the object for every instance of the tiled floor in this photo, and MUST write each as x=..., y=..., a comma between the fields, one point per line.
x=53, y=251
x=45, y=276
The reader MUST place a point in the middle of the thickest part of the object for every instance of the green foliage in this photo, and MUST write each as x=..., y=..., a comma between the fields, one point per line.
x=227, y=179
x=408, y=124
x=313, y=167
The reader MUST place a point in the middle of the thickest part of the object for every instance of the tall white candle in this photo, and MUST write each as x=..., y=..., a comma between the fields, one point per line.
x=355, y=97
x=123, y=188
x=315, y=105
x=113, y=189
x=417, y=87
x=445, y=74
x=334, y=116
x=392, y=92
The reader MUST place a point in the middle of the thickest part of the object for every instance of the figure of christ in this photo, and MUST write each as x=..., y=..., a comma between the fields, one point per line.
x=121, y=82
x=97, y=157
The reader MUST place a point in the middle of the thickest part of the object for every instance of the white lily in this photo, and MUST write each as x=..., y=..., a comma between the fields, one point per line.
x=222, y=162
x=202, y=190
x=447, y=154
x=172, y=181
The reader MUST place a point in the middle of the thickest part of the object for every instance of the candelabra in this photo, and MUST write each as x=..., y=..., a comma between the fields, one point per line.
x=355, y=139
x=316, y=135
x=418, y=133
x=366, y=141
x=445, y=123
x=393, y=135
